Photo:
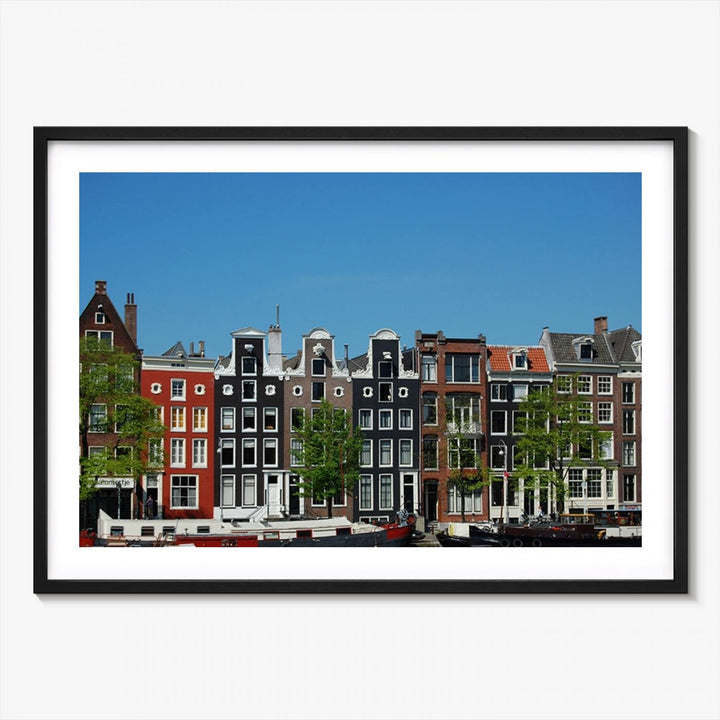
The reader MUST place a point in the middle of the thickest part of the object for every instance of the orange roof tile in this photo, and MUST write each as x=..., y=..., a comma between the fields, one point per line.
x=500, y=361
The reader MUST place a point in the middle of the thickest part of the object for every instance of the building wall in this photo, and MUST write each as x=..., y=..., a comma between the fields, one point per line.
x=440, y=500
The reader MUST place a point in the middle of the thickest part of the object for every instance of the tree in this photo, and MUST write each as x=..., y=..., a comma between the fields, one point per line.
x=330, y=455
x=556, y=433
x=462, y=435
x=126, y=423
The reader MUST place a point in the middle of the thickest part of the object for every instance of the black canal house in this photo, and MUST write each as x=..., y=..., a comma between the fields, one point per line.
x=386, y=397
x=250, y=482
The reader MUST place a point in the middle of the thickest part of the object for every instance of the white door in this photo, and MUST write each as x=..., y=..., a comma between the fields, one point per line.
x=274, y=494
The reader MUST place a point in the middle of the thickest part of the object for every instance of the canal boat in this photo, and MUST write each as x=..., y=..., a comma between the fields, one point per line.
x=320, y=532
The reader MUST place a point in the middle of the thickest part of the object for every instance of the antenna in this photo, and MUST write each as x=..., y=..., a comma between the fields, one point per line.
x=277, y=315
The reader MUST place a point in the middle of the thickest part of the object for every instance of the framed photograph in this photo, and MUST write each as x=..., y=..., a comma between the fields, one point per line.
x=360, y=360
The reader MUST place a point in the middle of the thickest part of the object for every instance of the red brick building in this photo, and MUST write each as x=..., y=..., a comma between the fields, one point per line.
x=453, y=388
x=181, y=384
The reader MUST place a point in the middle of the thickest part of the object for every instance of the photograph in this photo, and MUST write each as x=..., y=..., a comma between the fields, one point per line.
x=412, y=351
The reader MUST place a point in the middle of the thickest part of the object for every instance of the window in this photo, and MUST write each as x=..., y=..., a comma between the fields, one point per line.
x=519, y=391
x=296, y=452
x=365, y=419
x=249, y=457
x=227, y=419
x=584, y=384
x=366, y=453
x=385, y=492
x=498, y=392
x=519, y=422
x=498, y=423
x=385, y=369
x=585, y=351
x=429, y=409
x=200, y=419
x=609, y=484
x=628, y=488
x=104, y=337
x=406, y=453
x=464, y=412
x=606, y=449
x=155, y=451
x=471, y=500
x=585, y=446
x=604, y=385
x=177, y=389
x=249, y=390
x=605, y=412
x=249, y=419
x=249, y=366
x=183, y=491
x=385, y=452
x=628, y=393
x=200, y=452
x=270, y=418
x=318, y=391
x=385, y=392
x=385, y=419
x=99, y=317
x=177, y=452
x=584, y=412
x=249, y=491
x=366, y=492
x=405, y=418
x=497, y=457
x=628, y=453
x=270, y=452
x=594, y=483
x=628, y=422
x=461, y=453
x=429, y=368
x=228, y=490
x=430, y=453
x=297, y=417
x=227, y=452
x=98, y=418
x=124, y=451
x=318, y=367
x=461, y=368
x=177, y=418
x=564, y=384
x=520, y=361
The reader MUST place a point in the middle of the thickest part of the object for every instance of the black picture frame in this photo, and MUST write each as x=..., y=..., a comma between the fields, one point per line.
x=676, y=137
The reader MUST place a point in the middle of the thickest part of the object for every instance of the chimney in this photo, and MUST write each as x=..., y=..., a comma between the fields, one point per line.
x=101, y=287
x=201, y=347
x=600, y=325
x=275, y=357
x=131, y=316
x=192, y=349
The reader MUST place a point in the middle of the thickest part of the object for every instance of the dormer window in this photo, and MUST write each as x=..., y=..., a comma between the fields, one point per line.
x=637, y=350
x=584, y=348
x=518, y=359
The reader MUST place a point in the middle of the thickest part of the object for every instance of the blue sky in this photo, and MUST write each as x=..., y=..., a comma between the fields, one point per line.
x=466, y=253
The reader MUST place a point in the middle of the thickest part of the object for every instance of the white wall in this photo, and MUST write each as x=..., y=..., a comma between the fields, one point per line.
x=405, y=63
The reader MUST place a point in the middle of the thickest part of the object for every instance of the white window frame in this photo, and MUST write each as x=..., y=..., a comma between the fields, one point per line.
x=249, y=443
x=224, y=415
x=408, y=445
x=270, y=412
x=227, y=482
x=248, y=482
x=254, y=361
x=389, y=503
x=97, y=334
x=103, y=418
x=631, y=414
x=249, y=384
x=366, y=445
x=631, y=385
x=177, y=389
x=200, y=413
x=173, y=478
x=498, y=392
x=520, y=390
x=450, y=368
x=298, y=412
x=564, y=384
x=177, y=452
x=270, y=444
x=385, y=443
x=585, y=412
x=494, y=413
x=227, y=443
x=604, y=407
x=177, y=412
x=387, y=414
x=366, y=413
x=249, y=411
x=584, y=384
x=408, y=414
x=629, y=453
x=199, y=452
x=602, y=380
x=428, y=365
x=296, y=449
x=366, y=481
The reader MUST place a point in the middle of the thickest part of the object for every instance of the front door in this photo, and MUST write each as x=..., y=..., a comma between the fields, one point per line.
x=409, y=492
x=294, y=499
x=274, y=494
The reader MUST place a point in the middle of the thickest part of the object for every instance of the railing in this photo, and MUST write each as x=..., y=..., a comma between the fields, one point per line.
x=260, y=514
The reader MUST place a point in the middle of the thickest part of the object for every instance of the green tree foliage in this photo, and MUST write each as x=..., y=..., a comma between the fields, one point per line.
x=110, y=406
x=556, y=432
x=462, y=437
x=330, y=455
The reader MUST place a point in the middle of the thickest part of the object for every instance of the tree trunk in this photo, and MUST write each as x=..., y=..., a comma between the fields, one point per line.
x=329, y=507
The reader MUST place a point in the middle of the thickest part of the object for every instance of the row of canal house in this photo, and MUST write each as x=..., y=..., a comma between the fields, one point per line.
x=230, y=450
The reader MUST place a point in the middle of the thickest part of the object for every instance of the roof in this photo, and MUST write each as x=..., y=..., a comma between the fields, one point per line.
x=621, y=342
x=499, y=360
x=177, y=350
